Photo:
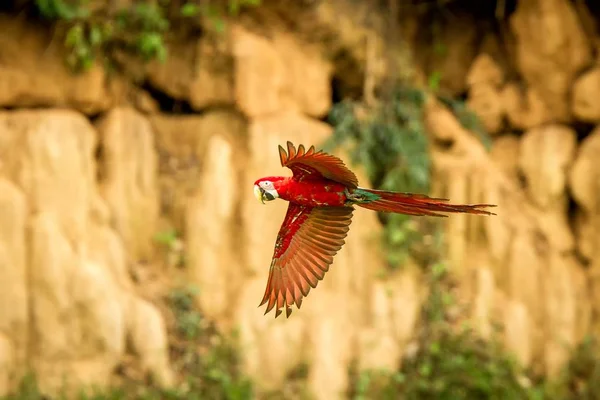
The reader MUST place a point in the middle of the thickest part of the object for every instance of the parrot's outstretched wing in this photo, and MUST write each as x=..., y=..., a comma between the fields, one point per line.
x=310, y=163
x=308, y=240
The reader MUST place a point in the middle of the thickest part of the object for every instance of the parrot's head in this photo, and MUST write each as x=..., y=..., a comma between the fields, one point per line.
x=265, y=189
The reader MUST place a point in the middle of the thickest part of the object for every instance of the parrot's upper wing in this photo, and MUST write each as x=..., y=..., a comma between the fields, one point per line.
x=313, y=163
x=306, y=243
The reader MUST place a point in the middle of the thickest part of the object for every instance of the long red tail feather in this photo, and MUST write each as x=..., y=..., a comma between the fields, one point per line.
x=419, y=204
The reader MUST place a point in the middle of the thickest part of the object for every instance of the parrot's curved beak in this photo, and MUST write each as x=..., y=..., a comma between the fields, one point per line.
x=259, y=193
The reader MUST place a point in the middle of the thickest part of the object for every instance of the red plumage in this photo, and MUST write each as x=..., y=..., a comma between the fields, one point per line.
x=419, y=204
x=322, y=193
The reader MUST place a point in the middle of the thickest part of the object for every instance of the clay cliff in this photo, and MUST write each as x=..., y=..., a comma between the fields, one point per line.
x=94, y=165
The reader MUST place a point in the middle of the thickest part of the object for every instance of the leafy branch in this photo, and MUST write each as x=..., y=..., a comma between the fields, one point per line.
x=95, y=32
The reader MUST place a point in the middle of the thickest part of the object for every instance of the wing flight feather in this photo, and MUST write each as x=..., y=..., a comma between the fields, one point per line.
x=308, y=240
x=306, y=164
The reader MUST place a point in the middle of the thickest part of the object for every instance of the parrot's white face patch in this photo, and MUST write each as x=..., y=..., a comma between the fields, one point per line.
x=265, y=191
x=267, y=185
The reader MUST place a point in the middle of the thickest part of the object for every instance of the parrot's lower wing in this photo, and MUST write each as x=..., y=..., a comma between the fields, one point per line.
x=308, y=240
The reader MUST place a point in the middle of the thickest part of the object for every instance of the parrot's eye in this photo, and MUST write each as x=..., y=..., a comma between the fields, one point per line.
x=267, y=184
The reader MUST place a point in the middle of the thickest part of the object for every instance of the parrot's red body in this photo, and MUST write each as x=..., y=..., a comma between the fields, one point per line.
x=322, y=194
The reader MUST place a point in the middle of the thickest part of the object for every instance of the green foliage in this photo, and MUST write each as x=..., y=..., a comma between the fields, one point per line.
x=209, y=360
x=28, y=389
x=172, y=247
x=390, y=141
x=167, y=238
x=434, y=81
x=580, y=379
x=459, y=365
x=187, y=318
x=450, y=362
x=62, y=9
x=235, y=6
x=94, y=33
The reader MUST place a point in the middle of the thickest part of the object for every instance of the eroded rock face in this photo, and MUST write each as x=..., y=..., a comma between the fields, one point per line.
x=584, y=181
x=551, y=47
x=23, y=48
x=453, y=65
x=279, y=76
x=485, y=97
x=197, y=70
x=63, y=266
x=258, y=75
x=585, y=102
x=182, y=144
x=212, y=238
x=14, y=320
x=506, y=154
x=525, y=107
x=564, y=284
x=524, y=274
x=545, y=155
x=128, y=170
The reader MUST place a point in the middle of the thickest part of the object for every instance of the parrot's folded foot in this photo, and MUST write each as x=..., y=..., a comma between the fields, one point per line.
x=358, y=196
x=353, y=197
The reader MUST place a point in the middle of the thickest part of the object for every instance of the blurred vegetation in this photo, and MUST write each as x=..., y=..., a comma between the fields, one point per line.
x=171, y=245
x=452, y=362
x=448, y=360
x=94, y=31
x=580, y=379
x=390, y=141
x=206, y=361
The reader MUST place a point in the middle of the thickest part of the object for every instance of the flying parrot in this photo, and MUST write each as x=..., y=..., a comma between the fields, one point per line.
x=322, y=194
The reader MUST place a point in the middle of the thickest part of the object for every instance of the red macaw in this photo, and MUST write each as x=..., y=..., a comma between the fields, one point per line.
x=322, y=193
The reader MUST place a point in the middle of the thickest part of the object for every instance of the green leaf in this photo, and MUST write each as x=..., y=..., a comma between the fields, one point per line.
x=95, y=35
x=440, y=48
x=151, y=45
x=59, y=9
x=438, y=270
x=74, y=35
x=234, y=7
x=166, y=237
x=425, y=370
x=434, y=81
x=397, y=236
x=189, y=10
x=219, y=24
